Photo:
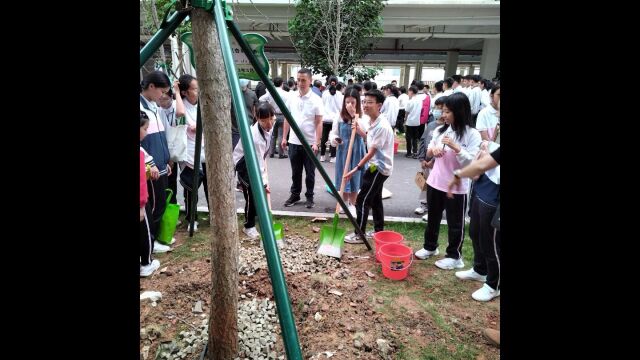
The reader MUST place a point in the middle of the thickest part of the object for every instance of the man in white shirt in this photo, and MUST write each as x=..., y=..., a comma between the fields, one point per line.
x=332, y=102
x=307, y=110
x=277, y=128
x=474, y=94
x=412, y=122
x=391, y=106
x=403, y=101
x=446, y=85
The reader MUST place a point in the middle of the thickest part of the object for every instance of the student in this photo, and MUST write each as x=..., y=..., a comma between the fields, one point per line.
x=261, y=135
x=453, y=145
x=147, y=264
x=341, y=135
x=155, y=144
x=426, y=163
x=380, y=165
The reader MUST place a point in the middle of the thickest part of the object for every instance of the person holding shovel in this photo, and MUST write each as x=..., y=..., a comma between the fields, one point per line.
x=380, y=165
x=341, y=136
x=261, y=135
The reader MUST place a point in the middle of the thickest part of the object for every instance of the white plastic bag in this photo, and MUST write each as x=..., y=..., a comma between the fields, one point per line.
x=177, y=141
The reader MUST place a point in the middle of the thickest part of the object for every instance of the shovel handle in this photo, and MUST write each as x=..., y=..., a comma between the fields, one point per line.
x=347, y=162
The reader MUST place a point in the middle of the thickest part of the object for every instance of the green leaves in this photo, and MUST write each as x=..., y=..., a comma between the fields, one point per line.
x=319, y=26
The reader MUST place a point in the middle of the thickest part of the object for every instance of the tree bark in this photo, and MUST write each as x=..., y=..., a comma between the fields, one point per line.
x=215, y=105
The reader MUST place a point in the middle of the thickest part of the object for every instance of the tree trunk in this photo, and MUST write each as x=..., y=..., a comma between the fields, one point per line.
x=156, y=22
x=336, y=49
x=215, y=105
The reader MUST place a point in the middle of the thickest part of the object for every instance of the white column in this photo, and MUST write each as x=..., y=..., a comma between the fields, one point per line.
x=418, y=74
x=452, y=63
x=489, y=61
x=405, y=78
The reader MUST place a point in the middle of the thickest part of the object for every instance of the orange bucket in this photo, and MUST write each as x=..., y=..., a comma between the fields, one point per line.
x=396, y=260
x=386, y=237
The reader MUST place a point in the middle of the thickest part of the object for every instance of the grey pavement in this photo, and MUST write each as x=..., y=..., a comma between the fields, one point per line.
x=402, y=203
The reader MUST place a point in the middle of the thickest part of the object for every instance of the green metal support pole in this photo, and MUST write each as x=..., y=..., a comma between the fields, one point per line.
x=294, y=126
x=285, y=315
x=166, y=29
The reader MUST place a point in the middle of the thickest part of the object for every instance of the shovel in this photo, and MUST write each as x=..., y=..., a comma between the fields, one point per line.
x=332, y=237
x=277, y=227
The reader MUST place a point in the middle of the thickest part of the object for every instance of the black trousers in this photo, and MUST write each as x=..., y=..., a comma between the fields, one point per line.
x=277, y=136
x=412, y=135
x=326, y=129
x=156, y=204
x=173, y=183
x=146, y=242
x=187, y=184
x=370, y=196
x=249, y=203
x=455, y=208
x=400, y=121
x=486, y=242
x=299, y=159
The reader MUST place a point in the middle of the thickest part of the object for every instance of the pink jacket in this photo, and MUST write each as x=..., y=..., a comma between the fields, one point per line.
x=143, y=181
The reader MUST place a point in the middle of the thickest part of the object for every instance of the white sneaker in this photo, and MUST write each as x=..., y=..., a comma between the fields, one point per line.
x=485, y=293
x=370, y=233
x=173, y=241
x=149, y=269
x=450, y=263
x=195, y=226
x=251, y=232
x=419, y=210
x=322, y=157
x=160, y=248
x=471, y=275
x=424, y=253
x=332, y=160
x=425, y=217
x=352, y=210
x=352, y=239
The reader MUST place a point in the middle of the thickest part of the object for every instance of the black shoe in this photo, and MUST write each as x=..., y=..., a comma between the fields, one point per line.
x=292, y=200
x=283, y=156
x=415, y=156
x=271, y=155
x=407, y=155
x=309, y=204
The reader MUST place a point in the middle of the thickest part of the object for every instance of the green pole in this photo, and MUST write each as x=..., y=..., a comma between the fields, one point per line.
x=285, y=315
x=166, y=29
x=294, y=126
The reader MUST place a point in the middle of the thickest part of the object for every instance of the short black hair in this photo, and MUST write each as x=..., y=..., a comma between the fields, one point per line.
x=144, y=118
x=277, y=81
x=264, y=110
x=305, y=71
x=377, y=94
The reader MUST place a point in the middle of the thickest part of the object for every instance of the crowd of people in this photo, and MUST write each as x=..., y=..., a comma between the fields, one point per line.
x=451, y=128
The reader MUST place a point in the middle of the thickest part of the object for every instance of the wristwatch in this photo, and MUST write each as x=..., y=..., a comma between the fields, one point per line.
x=456, y=173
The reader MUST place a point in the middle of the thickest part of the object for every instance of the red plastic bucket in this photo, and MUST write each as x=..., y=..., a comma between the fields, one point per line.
x=386, y=237
x=396, y=260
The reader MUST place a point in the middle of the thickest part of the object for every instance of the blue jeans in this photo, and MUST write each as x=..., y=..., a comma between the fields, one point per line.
x=299, y=158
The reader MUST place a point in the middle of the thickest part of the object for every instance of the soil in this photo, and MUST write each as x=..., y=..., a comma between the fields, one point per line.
x=358, y=314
